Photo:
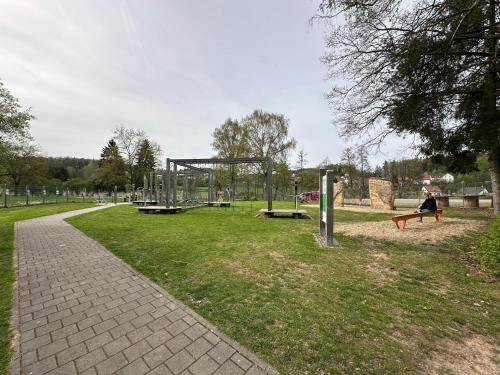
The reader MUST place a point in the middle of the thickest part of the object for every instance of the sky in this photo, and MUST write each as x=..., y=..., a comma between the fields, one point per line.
x=176, y=69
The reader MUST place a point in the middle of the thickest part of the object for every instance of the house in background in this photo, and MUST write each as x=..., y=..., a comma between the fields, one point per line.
x=434, y=190
x=481, y=190
x=426, y=179
x=443, y=177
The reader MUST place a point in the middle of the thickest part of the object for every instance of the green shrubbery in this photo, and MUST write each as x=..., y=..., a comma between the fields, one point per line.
x=489, y=249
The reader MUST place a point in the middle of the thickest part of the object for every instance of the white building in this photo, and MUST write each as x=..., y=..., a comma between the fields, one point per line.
x=444, y=177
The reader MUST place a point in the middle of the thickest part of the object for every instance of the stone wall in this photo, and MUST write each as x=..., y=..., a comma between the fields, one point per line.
x=338, y=193
x=381, y=193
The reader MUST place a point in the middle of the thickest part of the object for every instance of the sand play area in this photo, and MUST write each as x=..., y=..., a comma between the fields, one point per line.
x=428, y=231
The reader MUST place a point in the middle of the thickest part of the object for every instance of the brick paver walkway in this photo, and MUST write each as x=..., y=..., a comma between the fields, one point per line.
x=80, y=310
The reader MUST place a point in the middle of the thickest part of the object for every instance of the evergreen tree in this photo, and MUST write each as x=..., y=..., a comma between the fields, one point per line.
x=146, y=161
x=112, y=168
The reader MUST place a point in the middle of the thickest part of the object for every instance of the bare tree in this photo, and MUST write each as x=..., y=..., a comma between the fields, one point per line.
x=301, y=160
x=268, y=136
x=428, y=68
x=129, y=142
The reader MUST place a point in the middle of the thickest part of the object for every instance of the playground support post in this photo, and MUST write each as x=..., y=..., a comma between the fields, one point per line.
x=210, y=186
x=174, y=187
x=164, y=189
x=185, y=188
x=269, y=187
x=167, y=186
x=151, y=184
x=156, y=187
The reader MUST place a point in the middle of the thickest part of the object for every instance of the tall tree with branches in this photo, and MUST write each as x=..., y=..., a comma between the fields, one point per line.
x=423, y=67
x=129, y=141
x=14, y=126
x=268, y=137
x=230, y=140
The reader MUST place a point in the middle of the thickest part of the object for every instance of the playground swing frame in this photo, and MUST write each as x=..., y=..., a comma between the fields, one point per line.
x=192, y=164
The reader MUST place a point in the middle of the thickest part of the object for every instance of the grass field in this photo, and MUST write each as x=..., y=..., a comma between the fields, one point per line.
x=7, y=219
x=367, y=307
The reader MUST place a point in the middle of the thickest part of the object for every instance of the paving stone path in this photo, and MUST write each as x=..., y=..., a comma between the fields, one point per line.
x=80, y=310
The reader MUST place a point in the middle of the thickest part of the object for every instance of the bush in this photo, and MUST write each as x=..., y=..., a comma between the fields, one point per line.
x=489, y=248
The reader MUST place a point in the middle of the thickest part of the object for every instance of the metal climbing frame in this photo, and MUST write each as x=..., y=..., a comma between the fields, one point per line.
x=190, y=163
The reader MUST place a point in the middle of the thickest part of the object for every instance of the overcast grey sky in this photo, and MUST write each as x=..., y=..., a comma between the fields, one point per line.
x=176, y=69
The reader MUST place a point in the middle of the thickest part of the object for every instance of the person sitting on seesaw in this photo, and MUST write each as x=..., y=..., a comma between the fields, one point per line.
x=428, y=205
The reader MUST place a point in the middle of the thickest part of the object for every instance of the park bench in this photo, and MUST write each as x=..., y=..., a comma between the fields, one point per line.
x=401, y=220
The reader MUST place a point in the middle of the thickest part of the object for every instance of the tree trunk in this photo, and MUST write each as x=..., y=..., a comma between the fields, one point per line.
x=494, y=169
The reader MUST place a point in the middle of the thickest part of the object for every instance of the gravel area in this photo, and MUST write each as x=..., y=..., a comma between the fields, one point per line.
x=428, y=231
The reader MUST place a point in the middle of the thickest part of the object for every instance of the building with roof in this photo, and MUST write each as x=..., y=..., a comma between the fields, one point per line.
x=443, y=177
x=481, y=190
x=434, y=190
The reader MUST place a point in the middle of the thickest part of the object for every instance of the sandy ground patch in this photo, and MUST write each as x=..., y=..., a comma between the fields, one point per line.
x=429, y=231
x=474, y=355
x=398, y=211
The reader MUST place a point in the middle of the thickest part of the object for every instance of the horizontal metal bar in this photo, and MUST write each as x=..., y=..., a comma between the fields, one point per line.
x=221, y=161
x=185, y=165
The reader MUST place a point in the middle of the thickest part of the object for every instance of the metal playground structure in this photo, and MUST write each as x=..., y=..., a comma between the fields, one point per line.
x=210, y=182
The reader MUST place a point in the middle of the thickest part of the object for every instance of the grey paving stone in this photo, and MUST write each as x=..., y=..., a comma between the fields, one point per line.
x=112, y=365
x=229, y=368
x=179, y=362
x=71, y=353
x=138, y=367
x=84, y=311
x=178, y=343
x=199, y=347
x=241, y=361
x=204, y=366
x=157, y=356
x=137, y=350
x=221, y=352
x=160, y=370
x=117, y=345
x=90, y=359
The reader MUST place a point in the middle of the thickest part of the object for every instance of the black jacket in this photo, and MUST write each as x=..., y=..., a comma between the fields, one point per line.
x=429, y=204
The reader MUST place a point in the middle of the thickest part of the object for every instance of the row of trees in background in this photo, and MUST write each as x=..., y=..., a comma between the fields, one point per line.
x=127, y=157
x=124, y=160
x=263, y=134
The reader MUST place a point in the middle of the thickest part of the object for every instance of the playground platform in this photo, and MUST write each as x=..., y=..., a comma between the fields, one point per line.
x=141, y=203
x=166, y=210
x=161, y=210
x=218, y=204
x=283, y=213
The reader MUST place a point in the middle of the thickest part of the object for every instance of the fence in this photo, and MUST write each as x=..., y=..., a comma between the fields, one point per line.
x=15, y=196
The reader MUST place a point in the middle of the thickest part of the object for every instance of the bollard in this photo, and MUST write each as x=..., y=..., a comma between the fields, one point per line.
x=44, y=193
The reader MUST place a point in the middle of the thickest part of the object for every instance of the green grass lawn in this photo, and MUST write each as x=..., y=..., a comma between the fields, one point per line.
x=8, y=216
x=367, y=307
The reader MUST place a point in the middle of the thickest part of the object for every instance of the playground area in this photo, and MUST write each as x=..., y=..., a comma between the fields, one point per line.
x=375, y=304
x=381, y=299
